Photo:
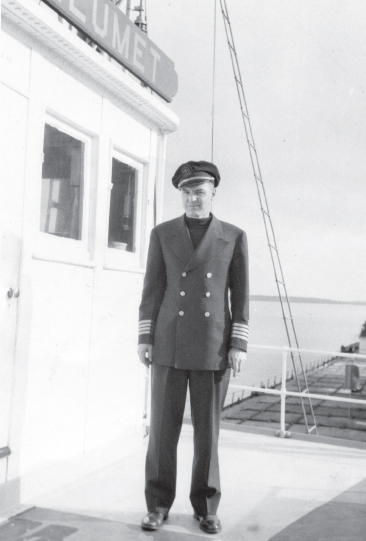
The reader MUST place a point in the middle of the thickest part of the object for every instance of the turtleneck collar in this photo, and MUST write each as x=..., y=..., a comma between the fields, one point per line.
x=197, y=221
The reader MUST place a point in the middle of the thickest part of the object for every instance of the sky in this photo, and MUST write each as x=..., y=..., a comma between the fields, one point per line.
x=303, y=67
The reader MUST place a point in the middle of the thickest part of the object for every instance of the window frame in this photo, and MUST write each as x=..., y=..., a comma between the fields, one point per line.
x=61, y=249
x=122, y=260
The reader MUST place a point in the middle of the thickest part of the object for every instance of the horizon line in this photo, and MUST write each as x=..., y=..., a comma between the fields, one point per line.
x=298, y=298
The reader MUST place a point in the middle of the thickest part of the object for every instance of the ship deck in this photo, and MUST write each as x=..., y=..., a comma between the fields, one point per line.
x=273, y=489
x=333, y=419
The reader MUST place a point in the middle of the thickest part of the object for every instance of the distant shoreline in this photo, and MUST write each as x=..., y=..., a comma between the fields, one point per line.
x=312, y=300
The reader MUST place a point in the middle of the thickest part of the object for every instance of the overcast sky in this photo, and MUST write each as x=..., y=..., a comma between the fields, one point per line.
x=303, y=63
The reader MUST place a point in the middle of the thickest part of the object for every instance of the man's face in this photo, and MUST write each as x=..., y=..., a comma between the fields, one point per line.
x=197, y=199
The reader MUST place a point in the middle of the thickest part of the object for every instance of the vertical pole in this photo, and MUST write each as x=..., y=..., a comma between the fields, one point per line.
x=213, y=85
x=128, y=9
x=283, y=433
x=349, y=405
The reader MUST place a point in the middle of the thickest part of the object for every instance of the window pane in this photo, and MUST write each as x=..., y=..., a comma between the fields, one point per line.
x=62, y=184
x=122, y=210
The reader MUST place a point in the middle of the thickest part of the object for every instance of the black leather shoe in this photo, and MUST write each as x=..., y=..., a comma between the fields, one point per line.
x=153, y=520
x=209, y=523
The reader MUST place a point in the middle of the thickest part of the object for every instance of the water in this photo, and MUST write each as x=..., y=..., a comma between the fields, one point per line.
x=318, y=326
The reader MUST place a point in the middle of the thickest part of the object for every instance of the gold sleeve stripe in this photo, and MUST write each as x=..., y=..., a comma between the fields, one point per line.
x=240, y=330
x=146, y=326
x=240, y=334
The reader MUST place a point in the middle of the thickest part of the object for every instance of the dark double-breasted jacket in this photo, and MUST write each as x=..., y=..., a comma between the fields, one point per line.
x=195, y=303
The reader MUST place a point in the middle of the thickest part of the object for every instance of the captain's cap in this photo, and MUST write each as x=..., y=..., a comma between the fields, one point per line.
x=191, y=173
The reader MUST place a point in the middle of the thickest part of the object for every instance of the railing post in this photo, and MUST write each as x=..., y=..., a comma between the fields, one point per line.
x=282, y=432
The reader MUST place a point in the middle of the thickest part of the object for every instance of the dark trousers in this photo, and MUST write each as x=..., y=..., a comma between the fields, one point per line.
x=168, y=396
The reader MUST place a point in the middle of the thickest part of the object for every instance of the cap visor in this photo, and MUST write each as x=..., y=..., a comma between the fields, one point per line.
x=195, y=180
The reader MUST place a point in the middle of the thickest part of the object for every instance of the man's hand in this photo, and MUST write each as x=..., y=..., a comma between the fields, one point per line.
x=145, y=352
x=237, y=357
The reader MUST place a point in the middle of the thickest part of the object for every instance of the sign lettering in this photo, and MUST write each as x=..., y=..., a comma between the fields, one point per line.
x=105, y=24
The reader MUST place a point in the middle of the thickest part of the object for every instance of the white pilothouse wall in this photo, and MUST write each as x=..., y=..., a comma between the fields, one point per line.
x=72, y=388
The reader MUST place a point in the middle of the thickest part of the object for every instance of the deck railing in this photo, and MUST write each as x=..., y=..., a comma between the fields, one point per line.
x=283, y=392
x=239, y=391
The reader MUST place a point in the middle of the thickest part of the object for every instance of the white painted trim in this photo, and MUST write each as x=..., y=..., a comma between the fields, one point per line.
x=160, y=178
x=76, y=263
x=16, y=90
x=60, y=249
x=120, y=260
x=29, y=22
x=122, y=268
x=51, y=479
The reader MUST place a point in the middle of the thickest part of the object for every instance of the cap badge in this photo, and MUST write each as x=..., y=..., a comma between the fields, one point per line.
x=186, y=170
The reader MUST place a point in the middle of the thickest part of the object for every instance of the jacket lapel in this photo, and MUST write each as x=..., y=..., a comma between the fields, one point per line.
x=180, y=242
x=210, y=246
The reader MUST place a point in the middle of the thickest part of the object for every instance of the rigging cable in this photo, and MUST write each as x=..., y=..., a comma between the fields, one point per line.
x=271, y=238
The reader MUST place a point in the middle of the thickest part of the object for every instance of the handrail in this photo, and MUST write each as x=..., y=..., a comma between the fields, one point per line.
x=264, y=390
x=283, y=392
x=321, y=351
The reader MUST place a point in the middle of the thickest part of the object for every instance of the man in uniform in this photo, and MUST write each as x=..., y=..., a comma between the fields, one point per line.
x=193, y=330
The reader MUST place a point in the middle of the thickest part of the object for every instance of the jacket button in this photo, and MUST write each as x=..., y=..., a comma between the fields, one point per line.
x=207, y=314
x=208, y=275
x=208, y=294
x=184, y=274
x=182, y=293
x=181, y=313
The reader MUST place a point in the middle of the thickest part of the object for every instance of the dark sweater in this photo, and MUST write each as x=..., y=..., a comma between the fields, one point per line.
x=197, y=227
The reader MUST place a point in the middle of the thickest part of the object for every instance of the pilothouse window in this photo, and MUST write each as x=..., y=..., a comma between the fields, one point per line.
x=122, y=212
x=62, y=184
